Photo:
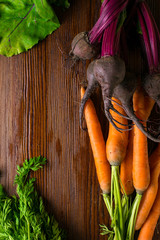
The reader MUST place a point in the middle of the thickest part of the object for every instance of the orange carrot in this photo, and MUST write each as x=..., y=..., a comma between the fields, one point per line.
x=116, y=150
x=141, y=174
x=151, y=192
x=126, y=168
x=147, y=230
x=143, y=104
x=117, y=141
x=98, y=146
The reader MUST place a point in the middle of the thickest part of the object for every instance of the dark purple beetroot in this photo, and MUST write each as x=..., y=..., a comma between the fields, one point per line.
x=151, y=85
x=109, y=71
x=125, y=90
x=81, y=47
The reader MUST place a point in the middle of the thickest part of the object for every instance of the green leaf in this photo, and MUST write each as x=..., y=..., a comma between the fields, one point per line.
x=61, y=3
x=23, y=23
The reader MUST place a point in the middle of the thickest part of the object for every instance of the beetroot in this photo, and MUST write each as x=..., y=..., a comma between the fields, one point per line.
x=151, y=85
x=109, y=71
x=95, y=80
x=125, y=90
x=81, y=47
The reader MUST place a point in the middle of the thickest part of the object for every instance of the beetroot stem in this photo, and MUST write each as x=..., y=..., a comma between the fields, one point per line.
x=151, y=33
x=146, y=40
x=109, y=12
x=108, y=43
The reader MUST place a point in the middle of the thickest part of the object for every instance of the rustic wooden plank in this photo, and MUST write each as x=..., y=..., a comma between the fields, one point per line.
x=40, y=96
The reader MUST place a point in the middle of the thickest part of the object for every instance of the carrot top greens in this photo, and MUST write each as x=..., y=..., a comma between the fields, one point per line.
x=24, y=217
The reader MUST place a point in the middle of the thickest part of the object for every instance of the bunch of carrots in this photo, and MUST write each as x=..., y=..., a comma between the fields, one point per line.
x=123, y=168
x=128, y=177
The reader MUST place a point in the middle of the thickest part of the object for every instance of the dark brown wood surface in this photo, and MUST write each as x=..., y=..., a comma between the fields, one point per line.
x=39, y=99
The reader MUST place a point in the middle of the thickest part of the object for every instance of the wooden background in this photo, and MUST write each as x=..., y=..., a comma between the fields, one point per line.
x=39, y=99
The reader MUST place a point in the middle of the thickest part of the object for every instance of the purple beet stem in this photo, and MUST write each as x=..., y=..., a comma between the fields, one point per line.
x=151, y=36
x=109, y=38
x=109, y=12
x=151, y=33
x=146, y=41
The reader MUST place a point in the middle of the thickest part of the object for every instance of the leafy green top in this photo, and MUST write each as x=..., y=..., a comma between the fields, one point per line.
x=25, y=218
x=24, y=22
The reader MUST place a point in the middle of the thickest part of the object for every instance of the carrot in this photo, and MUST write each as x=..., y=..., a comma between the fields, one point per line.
x=126, y=168
x=116, y=146
x=141, y=174
x=117, y=141
x=98, y=146
x=148, y=227
x=151, y=192
x=142, y=105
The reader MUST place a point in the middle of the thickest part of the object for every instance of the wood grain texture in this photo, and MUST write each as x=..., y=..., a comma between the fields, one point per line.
x=40, y=97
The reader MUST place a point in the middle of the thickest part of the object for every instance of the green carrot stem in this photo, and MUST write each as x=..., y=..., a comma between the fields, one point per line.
x=133, y=216
x=116, y=212
x=117, y=197
x=28, y=225
x=112, y=189
x=107, y=200
x=125, y=206
x=117, y=234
